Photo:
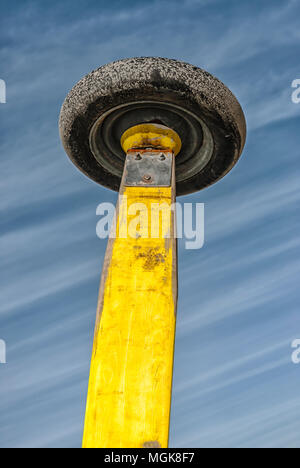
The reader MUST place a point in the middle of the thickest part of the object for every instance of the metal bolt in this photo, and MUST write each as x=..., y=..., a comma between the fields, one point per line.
x=147, y=178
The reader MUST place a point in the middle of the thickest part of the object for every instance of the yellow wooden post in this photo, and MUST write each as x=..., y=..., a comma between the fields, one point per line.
x=130, y=383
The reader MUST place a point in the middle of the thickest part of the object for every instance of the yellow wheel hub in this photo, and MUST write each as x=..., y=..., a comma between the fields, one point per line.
x=151, y=136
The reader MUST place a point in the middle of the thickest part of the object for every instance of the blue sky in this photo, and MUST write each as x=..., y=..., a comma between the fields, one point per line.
x=238, y=313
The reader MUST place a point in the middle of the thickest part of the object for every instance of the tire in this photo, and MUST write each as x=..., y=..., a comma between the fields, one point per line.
x=202, y=110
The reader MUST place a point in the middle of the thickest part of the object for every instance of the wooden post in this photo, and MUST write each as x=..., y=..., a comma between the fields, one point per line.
x=130, y=385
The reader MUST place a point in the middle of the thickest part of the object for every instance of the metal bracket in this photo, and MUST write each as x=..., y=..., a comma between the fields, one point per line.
x=148, y=169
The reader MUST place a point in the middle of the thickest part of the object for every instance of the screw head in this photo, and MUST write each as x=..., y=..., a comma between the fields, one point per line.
x=147, y=178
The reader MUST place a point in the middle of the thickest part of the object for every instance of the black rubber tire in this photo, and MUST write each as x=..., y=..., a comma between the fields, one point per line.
x=153, y=79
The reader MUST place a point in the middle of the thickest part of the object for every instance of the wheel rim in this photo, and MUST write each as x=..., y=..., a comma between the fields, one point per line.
x=197, y=141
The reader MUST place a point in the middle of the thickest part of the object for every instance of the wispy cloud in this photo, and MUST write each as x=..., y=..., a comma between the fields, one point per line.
x=234, y=384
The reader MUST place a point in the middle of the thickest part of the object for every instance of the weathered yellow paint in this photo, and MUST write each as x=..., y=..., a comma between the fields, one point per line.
x=151, y=135
x=130, y=384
